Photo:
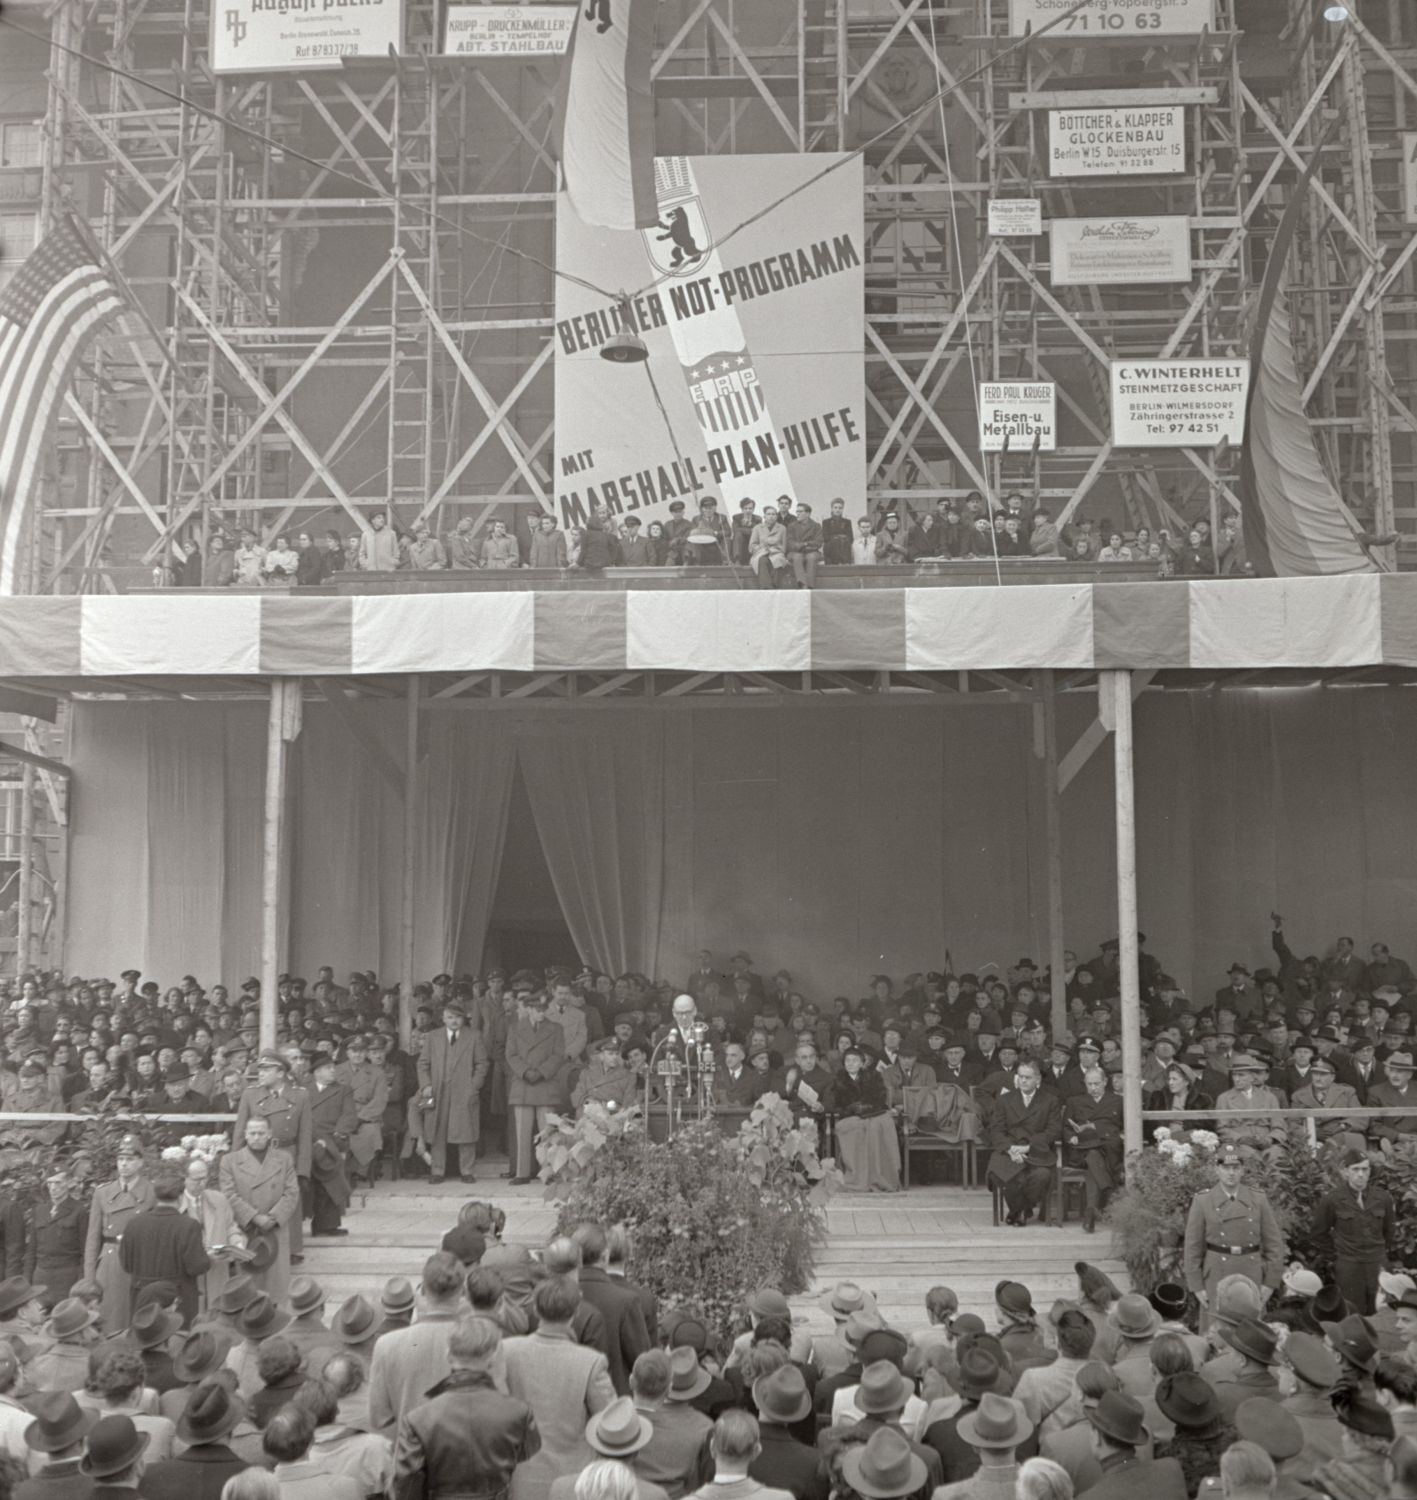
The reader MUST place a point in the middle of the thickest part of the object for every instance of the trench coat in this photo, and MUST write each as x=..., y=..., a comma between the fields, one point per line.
x=455, y=1075
x=213, y=1213
x=1225, y=1238
x=264, y=1187
x=332, y=1115
x=539, y=1049
x=371, y=1097
x=112, y=1206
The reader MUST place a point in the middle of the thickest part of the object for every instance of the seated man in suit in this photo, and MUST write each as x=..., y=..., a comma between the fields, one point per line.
x=735, y=1083
x=1025, y=1126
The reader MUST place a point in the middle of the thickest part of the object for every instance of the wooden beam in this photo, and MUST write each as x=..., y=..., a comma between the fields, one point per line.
x=30, y=758
x=348, y=715
x=410, y=846
x=1119, y=688
x=1110, y=98
x=1095, y=733
x=272, y=844
x=1053, y=830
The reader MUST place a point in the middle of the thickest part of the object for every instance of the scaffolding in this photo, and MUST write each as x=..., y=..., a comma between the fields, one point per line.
x=344, y=278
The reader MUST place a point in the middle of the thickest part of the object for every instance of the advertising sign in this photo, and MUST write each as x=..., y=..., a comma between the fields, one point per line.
x=1019, y=411
x=268, y=36
x=1119, y=251
x=1178, y=403
x=508, y=30
x=1137, y=140
x=1102, y=18
x=1015, y=217
x=755, y=383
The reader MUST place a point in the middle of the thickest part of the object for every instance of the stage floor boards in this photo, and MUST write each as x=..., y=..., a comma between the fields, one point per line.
x=897, y=1245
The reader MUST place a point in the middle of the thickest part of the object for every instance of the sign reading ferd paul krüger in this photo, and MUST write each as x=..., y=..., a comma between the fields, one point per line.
x=1019, y=413
x=1112, y=18
x=1178, y=403
x=1135, y=140
x=266, y=36
x=755, y=325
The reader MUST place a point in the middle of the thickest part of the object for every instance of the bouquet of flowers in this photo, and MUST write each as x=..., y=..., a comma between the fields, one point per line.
x=208, y=1147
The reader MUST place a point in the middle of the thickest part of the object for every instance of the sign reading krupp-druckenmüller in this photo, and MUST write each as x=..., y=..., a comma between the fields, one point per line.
x=508, y=30
x=266, y=36
x=1132, y=140
x=1179, y=403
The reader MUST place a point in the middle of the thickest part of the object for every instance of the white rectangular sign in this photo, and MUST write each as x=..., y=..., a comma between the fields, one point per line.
x=508, y=30
x=268, y=36
x=1101, y=18
x=1137, y=140
x=1015, y=217
x=1178, y=403
x=1020, y=411
x=1120, y=251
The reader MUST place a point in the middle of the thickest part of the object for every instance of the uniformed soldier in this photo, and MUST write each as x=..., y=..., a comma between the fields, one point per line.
x=113, y=1204
x=1231, y=1230
x=371, y=1096
x=286, y=1109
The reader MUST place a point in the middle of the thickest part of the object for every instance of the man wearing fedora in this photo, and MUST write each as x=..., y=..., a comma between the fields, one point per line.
x=1118, y=1431
x=1247, y=1073
x=1397, y=1091
x=112, y=1206
x=783, y=1463
x=202, y=1353
x=1231, y=1230
x=1189, y=1403
x=452, y=1067
x=677, y=1455
x=881, y=1398
x=885, y=1468
x=995, y=1429
x=1257, y=1346
x=201, y=1470
x=1316, y=1373
x=115, y=1457
x=162, y=1243
x=618, y=1431
x=57, y=1432
x=260, y=1182
x=64, y=1366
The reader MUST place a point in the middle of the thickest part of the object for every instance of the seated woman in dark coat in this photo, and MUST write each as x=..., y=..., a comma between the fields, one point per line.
x=867, y=1148
x=1180, y=1092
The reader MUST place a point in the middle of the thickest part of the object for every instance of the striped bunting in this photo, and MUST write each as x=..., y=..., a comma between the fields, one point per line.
x=1336, y=622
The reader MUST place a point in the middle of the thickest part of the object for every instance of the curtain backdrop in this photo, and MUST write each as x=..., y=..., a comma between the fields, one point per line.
x=833, y=842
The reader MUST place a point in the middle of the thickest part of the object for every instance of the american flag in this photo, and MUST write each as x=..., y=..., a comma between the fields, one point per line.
x=48, y=313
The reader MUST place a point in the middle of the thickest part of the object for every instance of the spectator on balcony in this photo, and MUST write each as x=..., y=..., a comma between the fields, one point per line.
x=767, y=550
x=706, y=544
x=547, y=548
x=425, y=551
x=352, y=544
x=599, y=546
x=804, y=546
x=677, y=531
x=500, y=551
x=334, y=553
x=1013, y=506
x=1195, y=559
x=221, y=564
x=1012, y=542
x=926, y=538
x=250, y=559
x=836, y=536
x=742, y=534
x=658, y=545
x=863, y=549
x=462, y=547
x=1043, y=539
x=309, y=560
x=981, y=539
x=281, y=561
x=1116, y=549
x=890, y=544
x=379, y=550
x=634, y=549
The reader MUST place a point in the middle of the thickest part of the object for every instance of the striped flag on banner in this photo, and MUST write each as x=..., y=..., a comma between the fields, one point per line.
x=606, y=116
x=48, y=313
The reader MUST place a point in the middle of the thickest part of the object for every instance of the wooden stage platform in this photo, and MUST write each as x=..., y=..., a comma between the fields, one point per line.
x=897, y=1245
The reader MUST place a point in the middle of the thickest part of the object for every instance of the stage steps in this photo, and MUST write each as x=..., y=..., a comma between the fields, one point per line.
x=898, y=1246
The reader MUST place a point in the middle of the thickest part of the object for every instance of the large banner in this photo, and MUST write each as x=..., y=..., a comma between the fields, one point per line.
x=755, y=338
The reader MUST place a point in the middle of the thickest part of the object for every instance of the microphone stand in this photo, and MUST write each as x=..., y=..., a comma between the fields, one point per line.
x=670, y=1074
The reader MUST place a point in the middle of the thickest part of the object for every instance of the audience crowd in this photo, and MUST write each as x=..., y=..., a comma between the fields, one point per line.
x=157, y=1337
x=781, y=546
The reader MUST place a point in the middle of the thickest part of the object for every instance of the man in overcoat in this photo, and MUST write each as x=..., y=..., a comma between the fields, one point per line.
x=164, y=1244
x=286, y=1109
x=260, y=1184
x=1025, y=1125
x=333, y=1121
x=452, y=1067
x=536, y=1069
x=113, y=1204
x=1231, y=1230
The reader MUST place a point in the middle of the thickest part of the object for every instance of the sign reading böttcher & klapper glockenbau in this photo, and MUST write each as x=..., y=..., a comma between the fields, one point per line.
x=754, y=327
x=268, y=36
x=1178, y=403
x=1141, y=140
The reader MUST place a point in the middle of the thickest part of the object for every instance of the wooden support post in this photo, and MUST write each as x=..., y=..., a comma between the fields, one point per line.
x=272, y=848
x=410, y=830
x=1118, y=687
x=1053, y=825
x=25, y=935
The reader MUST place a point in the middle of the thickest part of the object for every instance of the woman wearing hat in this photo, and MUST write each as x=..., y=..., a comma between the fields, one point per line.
x=865, y=1128
x=1180, y=1090
x=1188, y=1401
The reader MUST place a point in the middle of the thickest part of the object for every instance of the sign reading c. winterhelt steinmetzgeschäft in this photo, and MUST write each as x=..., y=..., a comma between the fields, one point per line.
x=268, y=36
x=755, y=338
x=1179, y=403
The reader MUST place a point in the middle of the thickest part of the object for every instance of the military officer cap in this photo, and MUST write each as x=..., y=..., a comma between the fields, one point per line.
x=275, y=1059
x=1227, y=1153
x=608, y=1043
x=130, y=1145
x=131, y=975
